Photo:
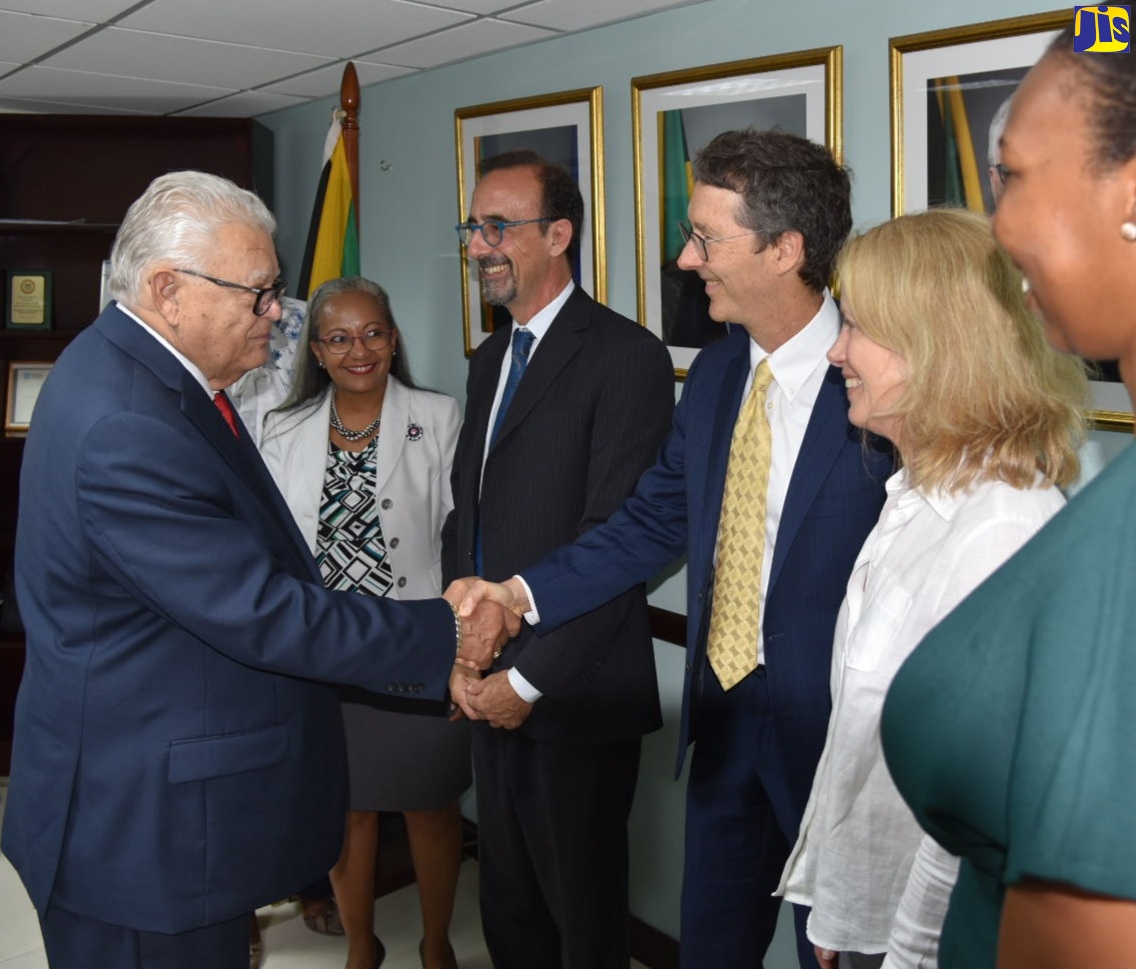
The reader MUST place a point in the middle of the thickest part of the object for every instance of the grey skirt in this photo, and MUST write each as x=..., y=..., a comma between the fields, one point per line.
x=404, y=761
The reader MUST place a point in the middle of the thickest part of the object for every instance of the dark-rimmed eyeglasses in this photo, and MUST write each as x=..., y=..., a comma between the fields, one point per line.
x=492, y=230
x=265, y=296
x=701, y=242
x=341, y=343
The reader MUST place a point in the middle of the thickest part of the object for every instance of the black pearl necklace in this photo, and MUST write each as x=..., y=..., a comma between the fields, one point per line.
x=346, y=433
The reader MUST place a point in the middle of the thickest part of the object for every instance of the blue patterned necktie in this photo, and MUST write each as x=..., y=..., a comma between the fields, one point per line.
x=522, y=346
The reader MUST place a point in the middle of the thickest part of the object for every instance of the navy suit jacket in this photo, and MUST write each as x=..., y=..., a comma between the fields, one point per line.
x=834, y=499
x=173, y=766
x=587, y=418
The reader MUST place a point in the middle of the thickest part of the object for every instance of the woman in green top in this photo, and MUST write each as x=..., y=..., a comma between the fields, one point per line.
x=1010, y=730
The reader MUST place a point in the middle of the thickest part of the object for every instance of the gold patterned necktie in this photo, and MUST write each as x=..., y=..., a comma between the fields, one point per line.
x=736, y=612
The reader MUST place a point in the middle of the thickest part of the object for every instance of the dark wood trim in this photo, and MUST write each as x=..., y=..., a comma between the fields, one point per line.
x=653, y=948
x=668, y=626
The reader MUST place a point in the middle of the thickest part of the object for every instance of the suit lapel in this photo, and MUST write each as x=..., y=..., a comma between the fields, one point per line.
x=560, y=344
x=238, y=453
x=724, y=417
x=481, y=394
x=392, y=436
x=825, y=435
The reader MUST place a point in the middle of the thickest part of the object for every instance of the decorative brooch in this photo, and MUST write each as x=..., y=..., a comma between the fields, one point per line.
x=414, y=432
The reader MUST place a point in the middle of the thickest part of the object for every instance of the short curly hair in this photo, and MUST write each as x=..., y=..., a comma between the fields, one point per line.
x=787, y=184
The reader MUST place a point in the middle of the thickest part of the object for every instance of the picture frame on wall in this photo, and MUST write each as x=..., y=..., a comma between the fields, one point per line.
x=674, y=115
x=28, y=302
x=566, y=127
x=25, y=380
x=948, y=88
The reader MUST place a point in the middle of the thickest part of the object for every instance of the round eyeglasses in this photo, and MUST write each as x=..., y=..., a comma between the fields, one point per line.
x=341, y=343
x=492, y=230
x=265, y=296
x=701, y=242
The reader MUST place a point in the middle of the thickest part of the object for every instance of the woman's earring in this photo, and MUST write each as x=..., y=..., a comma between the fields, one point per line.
x=1128, y=231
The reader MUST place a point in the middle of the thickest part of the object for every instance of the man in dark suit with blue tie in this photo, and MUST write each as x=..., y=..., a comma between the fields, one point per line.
x=564, y=409
x=768, y=214
x=175, y=763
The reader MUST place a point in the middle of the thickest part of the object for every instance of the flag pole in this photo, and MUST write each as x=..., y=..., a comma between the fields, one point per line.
x=349, y=101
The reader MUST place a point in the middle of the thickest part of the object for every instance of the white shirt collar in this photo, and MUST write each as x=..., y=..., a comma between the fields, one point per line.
x=943, y=503
x=542, y=320
x=181, y=358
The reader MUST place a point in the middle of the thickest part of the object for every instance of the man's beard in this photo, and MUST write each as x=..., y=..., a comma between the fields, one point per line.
x=497, y=290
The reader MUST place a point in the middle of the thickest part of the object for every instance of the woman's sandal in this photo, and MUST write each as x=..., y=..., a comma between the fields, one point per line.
x=322, y=915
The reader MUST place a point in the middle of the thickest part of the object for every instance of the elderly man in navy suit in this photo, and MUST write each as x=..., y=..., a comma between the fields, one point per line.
x=176, y=764
x=768, y=214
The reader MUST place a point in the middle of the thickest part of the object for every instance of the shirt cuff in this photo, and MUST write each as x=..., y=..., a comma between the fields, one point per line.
x=532, y=617
x=525, y=690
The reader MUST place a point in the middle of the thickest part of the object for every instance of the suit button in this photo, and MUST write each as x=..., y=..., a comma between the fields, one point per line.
x=386, y=504
x=402, y=582
x=688, y=669
x=393, y=543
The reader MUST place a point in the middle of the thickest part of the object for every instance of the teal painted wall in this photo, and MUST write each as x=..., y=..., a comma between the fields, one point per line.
x=409, y=205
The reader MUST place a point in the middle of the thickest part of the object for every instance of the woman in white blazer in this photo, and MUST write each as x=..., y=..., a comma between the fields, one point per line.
x=363, y=459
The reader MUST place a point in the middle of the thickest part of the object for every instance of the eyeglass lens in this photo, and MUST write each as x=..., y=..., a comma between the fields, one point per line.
x=341, y=343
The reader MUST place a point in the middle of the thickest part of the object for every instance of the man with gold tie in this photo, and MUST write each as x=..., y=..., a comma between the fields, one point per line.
x=770, y=492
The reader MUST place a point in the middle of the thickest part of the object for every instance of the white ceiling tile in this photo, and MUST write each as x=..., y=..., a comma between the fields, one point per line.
x=94, y=11
x=165, y=58
x=458, y=43
x=476, y=6
x=173, y=56
x=106, y=91
x=325, y=82
x=246, y=104
x=582, y=14
x=24, y=37
x=357, y=26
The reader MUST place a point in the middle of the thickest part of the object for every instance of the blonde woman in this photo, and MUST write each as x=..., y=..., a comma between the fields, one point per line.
x=941, y=357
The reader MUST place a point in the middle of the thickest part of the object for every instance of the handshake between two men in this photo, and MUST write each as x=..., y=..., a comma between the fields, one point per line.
x=491, y=614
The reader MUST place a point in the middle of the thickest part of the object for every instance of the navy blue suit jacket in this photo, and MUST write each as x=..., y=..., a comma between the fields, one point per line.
x=173, y=767
x=834, y=499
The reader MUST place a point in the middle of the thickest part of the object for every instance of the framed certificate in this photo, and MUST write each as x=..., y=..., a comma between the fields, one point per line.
x=24, y=383
x=28, y=306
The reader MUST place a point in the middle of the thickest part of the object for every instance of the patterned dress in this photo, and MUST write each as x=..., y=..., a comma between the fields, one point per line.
x=400, y=758
x=351, y=553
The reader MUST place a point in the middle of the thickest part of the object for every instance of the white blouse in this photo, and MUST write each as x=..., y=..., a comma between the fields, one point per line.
x=874, y=881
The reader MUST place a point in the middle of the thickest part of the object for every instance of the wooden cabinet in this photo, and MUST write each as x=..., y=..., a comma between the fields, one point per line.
x=66, y=182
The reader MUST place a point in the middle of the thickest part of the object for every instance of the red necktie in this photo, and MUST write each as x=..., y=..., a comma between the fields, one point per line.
x=226, y=410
